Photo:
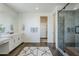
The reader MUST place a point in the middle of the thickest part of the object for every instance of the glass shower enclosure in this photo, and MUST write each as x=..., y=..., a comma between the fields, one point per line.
x=68, y=29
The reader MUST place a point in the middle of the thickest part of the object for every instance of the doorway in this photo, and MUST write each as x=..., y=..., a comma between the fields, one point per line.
x=43, y=29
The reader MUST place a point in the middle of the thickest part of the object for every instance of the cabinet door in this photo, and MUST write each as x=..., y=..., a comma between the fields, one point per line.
x=11, y=43
x=19, y=39
x=16, y=40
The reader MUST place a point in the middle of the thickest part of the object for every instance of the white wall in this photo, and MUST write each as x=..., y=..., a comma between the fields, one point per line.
x=7, y=17
x=50, y=28
x=33, y=20
x=55, y=14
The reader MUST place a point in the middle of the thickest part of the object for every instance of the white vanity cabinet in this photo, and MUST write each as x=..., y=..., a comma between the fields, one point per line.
x=15, y=37
x=4, y=48
x=20, y=39
x=13, y=42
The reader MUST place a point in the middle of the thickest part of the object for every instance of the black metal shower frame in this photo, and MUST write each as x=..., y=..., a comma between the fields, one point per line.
x=58, y=13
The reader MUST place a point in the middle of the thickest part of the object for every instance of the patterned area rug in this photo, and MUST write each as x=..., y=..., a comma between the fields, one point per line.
x=35, y=51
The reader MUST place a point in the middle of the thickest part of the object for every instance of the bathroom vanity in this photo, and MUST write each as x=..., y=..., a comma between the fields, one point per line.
x=9, y=42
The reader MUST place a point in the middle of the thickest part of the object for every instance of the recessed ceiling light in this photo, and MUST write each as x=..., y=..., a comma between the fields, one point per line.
x=36, y=8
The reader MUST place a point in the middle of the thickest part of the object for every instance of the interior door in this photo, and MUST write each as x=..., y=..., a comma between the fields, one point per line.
x=43, y=27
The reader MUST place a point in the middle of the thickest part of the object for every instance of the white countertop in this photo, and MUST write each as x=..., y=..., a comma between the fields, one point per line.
x=5, y=38
x=8, y=35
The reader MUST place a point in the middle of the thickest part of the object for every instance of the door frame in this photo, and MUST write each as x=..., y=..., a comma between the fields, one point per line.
x=46, y=26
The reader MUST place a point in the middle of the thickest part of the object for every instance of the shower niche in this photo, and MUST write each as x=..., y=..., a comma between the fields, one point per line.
x=77, y=29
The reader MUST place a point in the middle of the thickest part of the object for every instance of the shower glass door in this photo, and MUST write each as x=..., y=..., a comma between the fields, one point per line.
x=66, y=29
x=61, y=31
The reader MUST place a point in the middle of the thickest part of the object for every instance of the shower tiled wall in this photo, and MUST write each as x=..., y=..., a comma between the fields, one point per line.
x=69, y=29
x=67, y=22
x=77, y=24
x=66, y=29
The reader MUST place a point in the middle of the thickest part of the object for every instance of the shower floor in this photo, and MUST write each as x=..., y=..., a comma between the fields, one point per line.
x=72, y=51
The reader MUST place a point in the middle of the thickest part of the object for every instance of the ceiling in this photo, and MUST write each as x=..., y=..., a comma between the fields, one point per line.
x=30, y=7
